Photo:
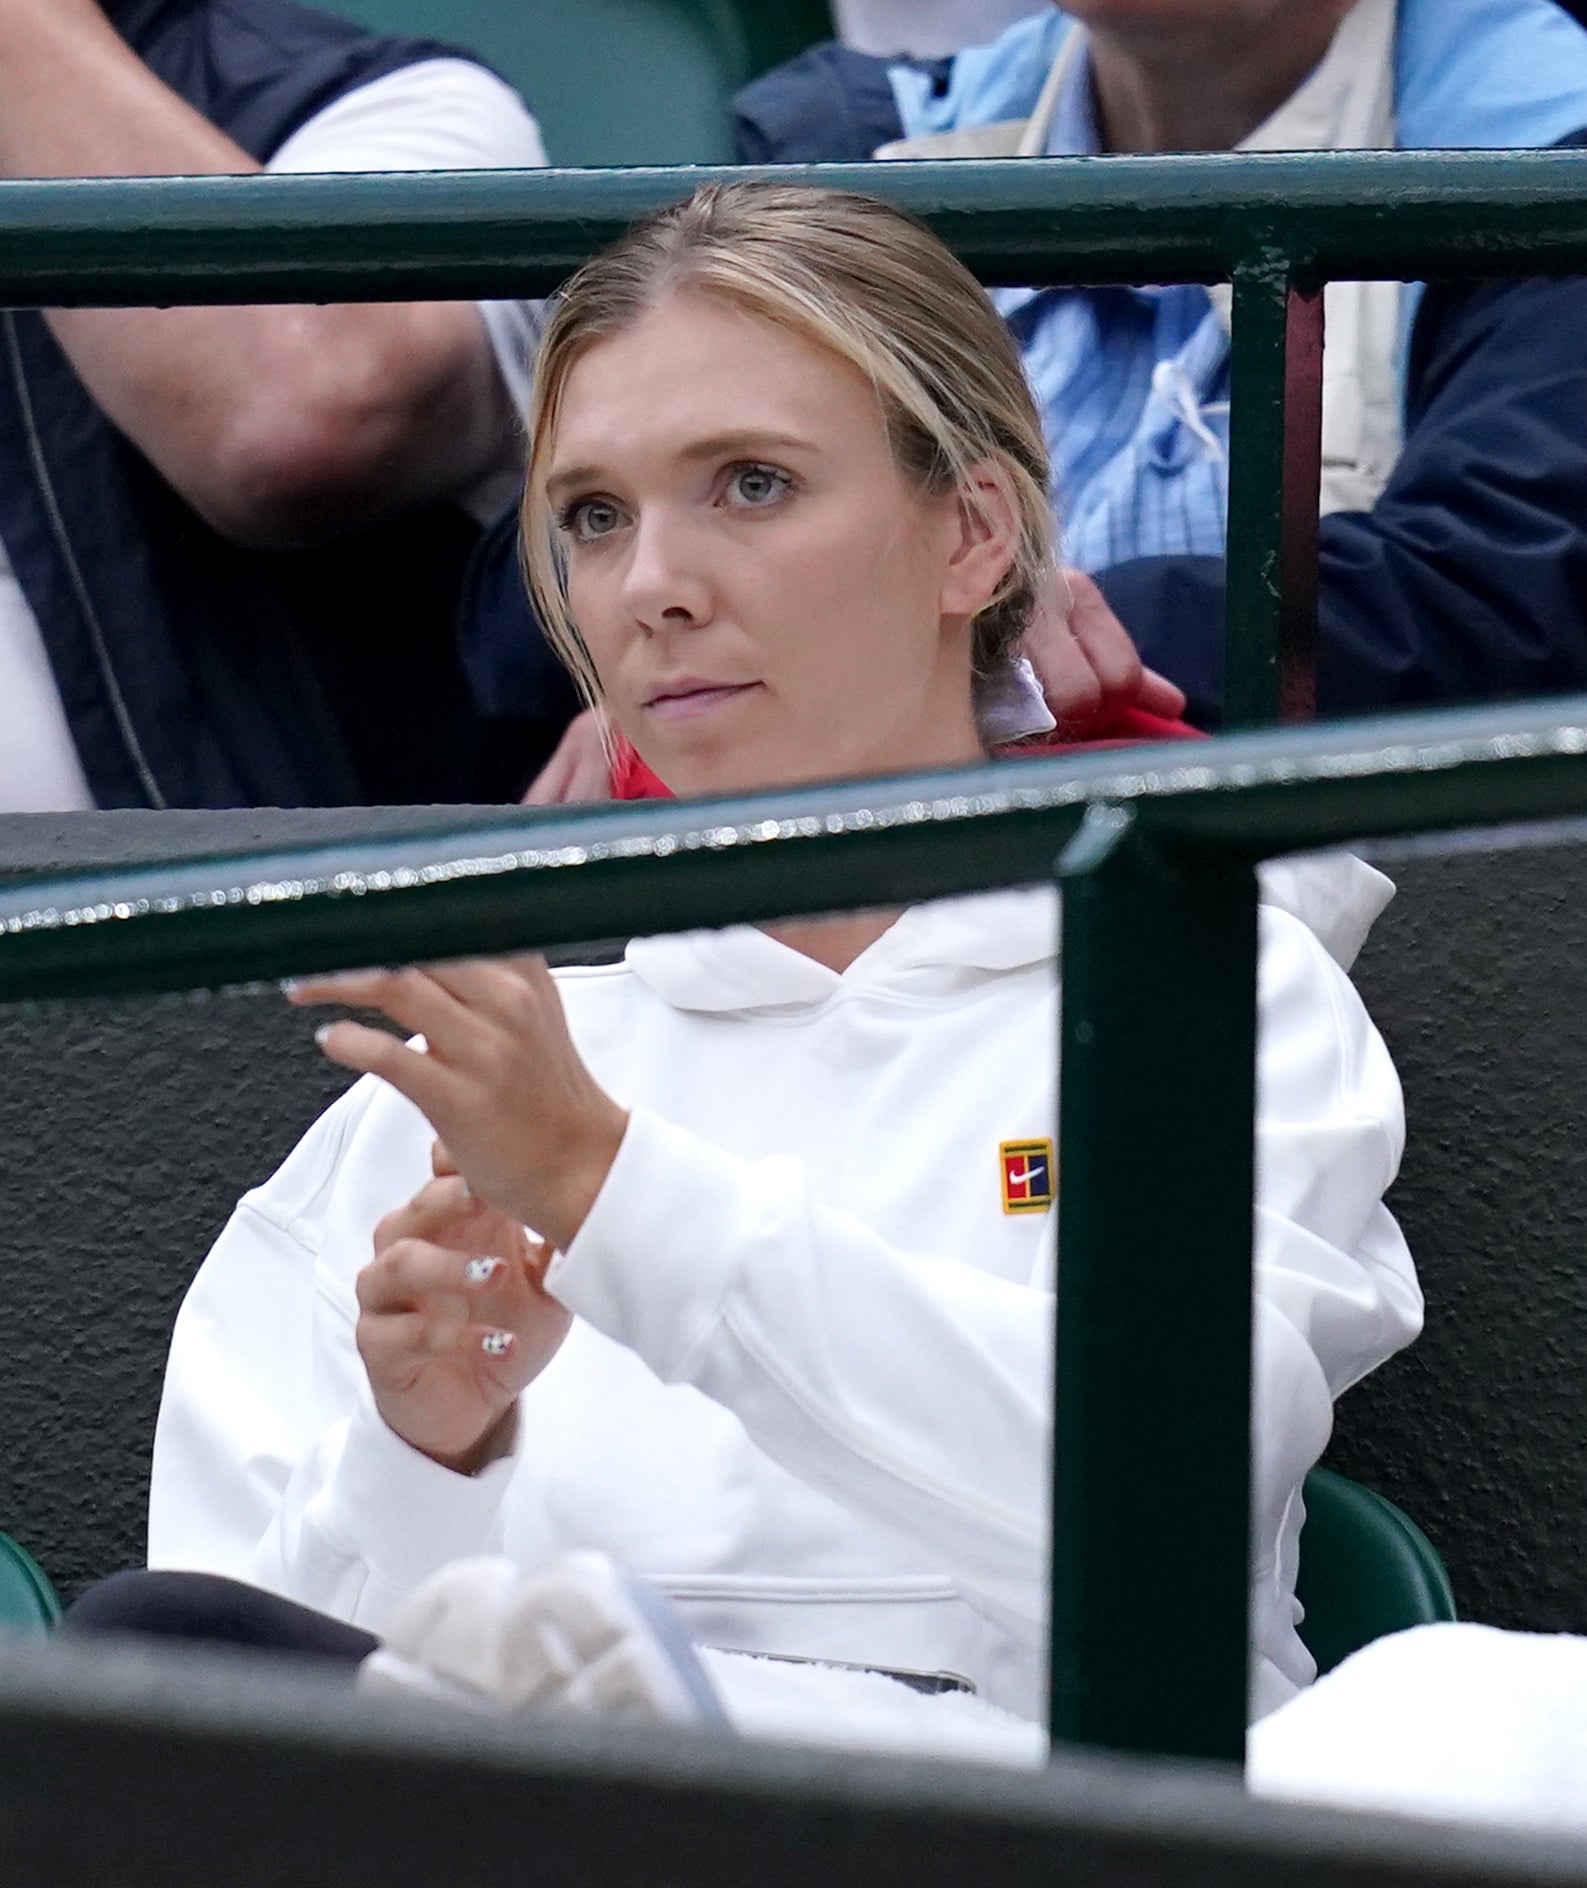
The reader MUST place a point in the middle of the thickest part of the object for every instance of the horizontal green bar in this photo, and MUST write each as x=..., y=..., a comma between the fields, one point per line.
x=514, y=881
x=1395, y=215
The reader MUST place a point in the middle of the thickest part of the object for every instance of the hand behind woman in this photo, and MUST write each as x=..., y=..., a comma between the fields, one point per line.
x=453, y=1321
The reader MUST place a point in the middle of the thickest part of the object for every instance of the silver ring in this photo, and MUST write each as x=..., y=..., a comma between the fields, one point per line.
x=496, y=1343
x=478, y=1271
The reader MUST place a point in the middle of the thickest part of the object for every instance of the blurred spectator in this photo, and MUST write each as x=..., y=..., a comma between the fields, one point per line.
x=231, y=538
x=1454, y=549
x=924, y=29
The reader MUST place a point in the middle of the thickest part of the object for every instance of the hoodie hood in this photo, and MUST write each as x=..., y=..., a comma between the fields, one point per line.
x=941, y=947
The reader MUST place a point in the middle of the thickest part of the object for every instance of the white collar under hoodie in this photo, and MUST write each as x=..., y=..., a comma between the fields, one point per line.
x=808, y=1388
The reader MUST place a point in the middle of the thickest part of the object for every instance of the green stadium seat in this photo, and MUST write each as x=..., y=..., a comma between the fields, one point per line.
x=1366, y=1570
x=28, y=1604
x=619, y=81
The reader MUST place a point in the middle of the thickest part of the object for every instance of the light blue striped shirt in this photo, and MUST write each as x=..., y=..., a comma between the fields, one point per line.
x=1133, y=383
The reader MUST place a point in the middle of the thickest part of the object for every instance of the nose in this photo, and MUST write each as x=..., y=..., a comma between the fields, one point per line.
x=666, y=585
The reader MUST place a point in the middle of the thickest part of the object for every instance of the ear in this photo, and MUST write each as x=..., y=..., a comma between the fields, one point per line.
x=987, y=544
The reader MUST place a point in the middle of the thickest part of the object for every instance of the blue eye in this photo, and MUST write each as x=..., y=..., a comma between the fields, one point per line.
x=759, y=485
x=588, y=519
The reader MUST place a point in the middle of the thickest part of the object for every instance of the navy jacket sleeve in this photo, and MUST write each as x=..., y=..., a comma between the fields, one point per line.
x=519, y=685
x=831, y=105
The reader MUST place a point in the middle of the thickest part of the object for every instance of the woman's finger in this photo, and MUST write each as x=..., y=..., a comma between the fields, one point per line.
x=430, y=1206
x=422, y=1078
x=419, y=1274
x=393, y=1345
x=414, y=1275
x=413, y=999
x=497, y=989
x=1068, y=684
x=1159, y=696
x=1105, y=644
x=446, y=1212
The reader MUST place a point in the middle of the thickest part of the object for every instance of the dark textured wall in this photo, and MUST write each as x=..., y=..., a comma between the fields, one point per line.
x=129, y=1129
x=1478, y=977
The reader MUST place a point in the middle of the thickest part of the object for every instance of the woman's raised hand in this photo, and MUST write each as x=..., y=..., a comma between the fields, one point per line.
x=453, y=1321
x=1087, y=662
x=498, y=1079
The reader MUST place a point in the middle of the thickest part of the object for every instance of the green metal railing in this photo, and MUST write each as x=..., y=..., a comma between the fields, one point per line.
x=1277, y=226
x=1155, y=850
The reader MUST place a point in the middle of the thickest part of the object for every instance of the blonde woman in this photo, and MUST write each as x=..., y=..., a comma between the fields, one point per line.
x=775, y=1343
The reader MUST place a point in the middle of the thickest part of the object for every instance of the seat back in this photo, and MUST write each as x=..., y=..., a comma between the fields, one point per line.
x=1366, y=1569
x=28, y=1604
x=619, y=81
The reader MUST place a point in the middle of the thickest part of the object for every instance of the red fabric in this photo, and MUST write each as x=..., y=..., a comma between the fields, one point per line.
x=633, y=780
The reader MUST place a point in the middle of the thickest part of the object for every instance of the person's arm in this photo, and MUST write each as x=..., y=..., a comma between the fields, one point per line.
x=279, y=424
x=911, y=1386
x=272, y=1464
x=917, y=1389
x=1468, y=579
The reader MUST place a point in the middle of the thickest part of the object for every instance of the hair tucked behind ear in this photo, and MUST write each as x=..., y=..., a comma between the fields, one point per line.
x=859, y=279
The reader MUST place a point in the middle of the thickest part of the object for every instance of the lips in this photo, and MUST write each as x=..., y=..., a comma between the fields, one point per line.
x=690, y=695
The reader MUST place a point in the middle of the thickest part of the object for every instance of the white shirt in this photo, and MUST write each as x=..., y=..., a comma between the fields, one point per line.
x=807, y=1392
x=926, y=29
x=442, y=114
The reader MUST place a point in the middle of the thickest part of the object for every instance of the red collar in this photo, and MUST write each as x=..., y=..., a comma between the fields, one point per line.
x=633, y=780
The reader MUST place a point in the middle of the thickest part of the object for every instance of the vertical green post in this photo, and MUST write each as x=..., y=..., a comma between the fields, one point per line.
x=1151, y=1441
x=1275, y=468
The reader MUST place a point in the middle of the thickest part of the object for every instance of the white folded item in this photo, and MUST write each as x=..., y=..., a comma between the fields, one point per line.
x=580, y=1635
x=576, y=1636
x=1454, y=1722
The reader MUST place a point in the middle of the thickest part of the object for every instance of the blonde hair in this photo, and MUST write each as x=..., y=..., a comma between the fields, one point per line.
x=858, y=279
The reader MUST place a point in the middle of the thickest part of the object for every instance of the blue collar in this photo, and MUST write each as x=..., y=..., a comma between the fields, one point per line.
x=1470, y=74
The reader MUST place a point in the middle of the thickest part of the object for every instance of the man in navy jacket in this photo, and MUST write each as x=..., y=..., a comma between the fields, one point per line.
x=231, y=539
x=1466, y=578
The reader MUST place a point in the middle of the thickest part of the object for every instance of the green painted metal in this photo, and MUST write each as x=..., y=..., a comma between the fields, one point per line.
x=1151, y=1441
x=1118, y=219
x=518, y=881
x=1275, y=462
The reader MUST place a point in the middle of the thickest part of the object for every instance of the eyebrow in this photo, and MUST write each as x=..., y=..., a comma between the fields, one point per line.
x=727, y=445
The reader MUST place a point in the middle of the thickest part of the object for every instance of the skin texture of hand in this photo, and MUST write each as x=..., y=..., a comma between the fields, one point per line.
x=499, y=1080
x=578, y=772
x=280, y=425
x=453, y=1322
x=1087, y=664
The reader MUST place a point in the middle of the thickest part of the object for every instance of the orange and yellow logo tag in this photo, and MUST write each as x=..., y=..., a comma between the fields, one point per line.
x=1027, y=1176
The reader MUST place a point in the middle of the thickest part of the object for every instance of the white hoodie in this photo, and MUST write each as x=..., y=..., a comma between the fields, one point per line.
x=807, y=1392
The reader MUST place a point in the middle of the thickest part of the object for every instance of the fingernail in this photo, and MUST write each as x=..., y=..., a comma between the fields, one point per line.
x=477, y=1271
x=322, y=1034
x=496, y=1343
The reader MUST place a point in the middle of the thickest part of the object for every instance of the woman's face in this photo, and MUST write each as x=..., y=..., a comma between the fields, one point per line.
x=766, y=598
